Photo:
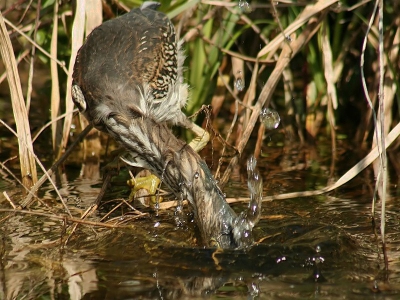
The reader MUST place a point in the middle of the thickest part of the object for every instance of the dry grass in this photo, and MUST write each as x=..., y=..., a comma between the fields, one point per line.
x=216, y=59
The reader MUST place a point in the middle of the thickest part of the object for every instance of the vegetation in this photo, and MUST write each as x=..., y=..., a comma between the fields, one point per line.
x=300, y=57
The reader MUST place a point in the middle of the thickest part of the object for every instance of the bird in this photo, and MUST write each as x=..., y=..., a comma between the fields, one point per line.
x=128, y=82
x=147, y=65
x=141, y=68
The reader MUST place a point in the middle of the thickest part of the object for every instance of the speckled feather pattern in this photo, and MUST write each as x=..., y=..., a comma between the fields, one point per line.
x=144, y=74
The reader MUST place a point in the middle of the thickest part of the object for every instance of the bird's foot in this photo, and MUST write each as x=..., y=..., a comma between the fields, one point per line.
x=199, y=142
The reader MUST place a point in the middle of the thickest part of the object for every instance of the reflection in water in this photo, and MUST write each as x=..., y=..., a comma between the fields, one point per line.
x=82, y=278
x=309, y=247
x=317, y=261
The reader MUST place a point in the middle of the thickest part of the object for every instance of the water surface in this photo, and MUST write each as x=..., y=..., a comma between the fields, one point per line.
x=312, y=247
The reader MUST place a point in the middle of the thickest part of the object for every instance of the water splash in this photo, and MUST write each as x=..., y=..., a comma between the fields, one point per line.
x=245, y=7
x=253, y=290
x=270, y=118
x=255, y=185
x=157, y=206
x=178, y=214
x=244, y=223
x=318, y=261
x=239, y=82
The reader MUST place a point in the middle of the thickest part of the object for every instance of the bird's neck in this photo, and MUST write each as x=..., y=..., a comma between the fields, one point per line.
x=182, y=170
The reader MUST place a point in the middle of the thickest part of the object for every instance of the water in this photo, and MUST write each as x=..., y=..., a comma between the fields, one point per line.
x=239, y=82
x=245, y=222
x=270, y=118
x=245, y=7
x=314, y=247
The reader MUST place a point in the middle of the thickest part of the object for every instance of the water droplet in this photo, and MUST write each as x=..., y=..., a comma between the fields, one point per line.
x=196, y=175
x=375, y=287
x=270, y=118
x=239, y=82
x=318, y=260
x=281, y=259
x=244, y=6
x=179, y=215
x=254, y=290
x=157, y=224
x=289, y=38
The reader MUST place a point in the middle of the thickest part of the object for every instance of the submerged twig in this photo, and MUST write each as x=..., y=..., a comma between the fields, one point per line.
x=63, y=218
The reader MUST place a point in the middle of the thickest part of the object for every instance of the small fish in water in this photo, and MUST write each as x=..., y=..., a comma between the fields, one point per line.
x=270, y=118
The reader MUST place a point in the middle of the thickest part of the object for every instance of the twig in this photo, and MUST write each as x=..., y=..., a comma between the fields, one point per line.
x=30, y=193
x=9, y=200
x=349, y=175
x=383, y=162
x=3, y=166
x=61, y=64
x=51, y=122
x=62, y=218
x=56, y=131
x=268, y=89
x=29, y=199
x=32, y=58
x=77, y=40
x=308, y=12
x=27, y=161
x=20, y=57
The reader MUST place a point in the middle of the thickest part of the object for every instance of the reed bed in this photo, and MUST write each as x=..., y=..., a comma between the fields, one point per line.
x=326, y=66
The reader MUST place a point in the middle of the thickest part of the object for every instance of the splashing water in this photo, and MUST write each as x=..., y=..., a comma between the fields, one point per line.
x=239, y=82
x=245, y=7
x=270, y=118
x=245, y=222
x=255, y=185
x=179, y=214
x=318, y=260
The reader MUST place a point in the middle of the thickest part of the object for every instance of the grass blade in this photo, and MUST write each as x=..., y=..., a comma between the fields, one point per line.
x=27, y=161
